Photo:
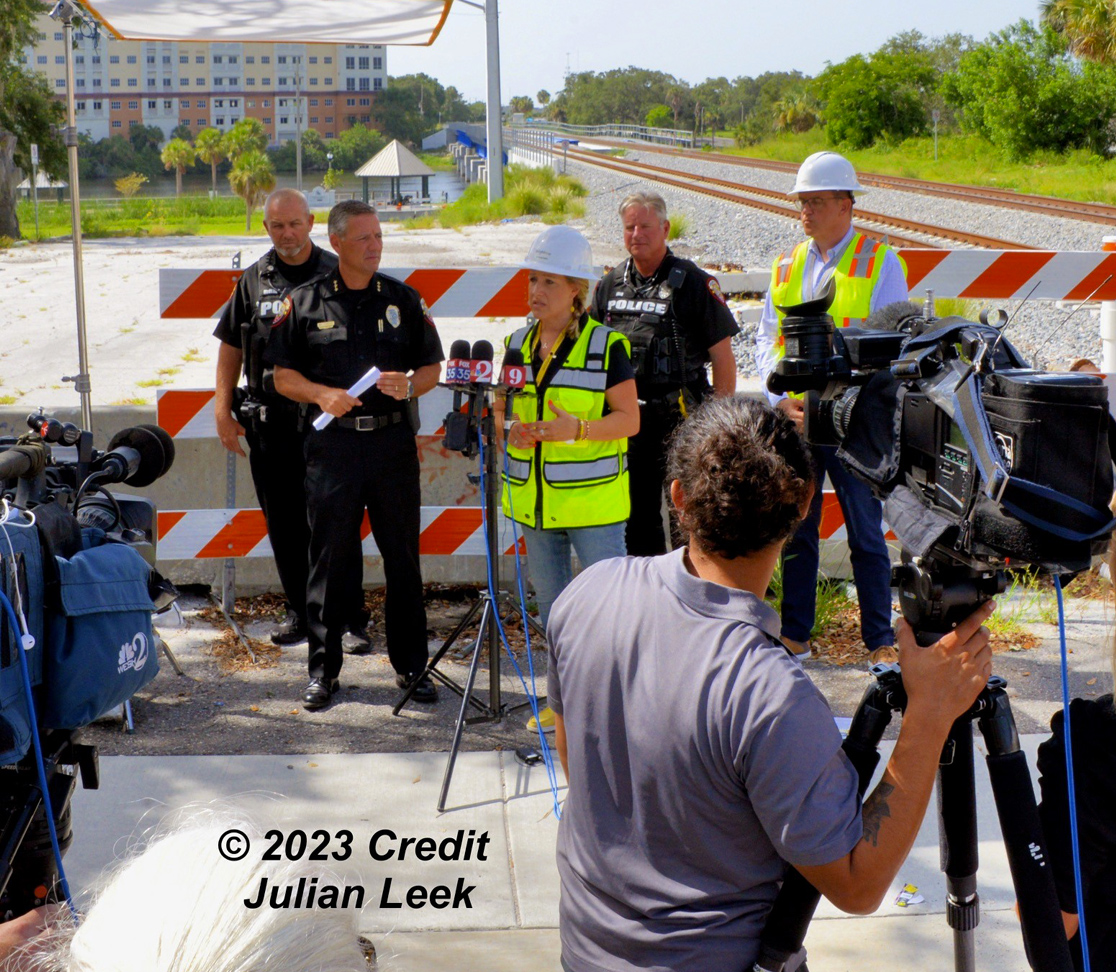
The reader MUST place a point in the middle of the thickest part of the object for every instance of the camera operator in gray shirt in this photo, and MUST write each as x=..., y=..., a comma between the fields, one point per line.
x=699, y=755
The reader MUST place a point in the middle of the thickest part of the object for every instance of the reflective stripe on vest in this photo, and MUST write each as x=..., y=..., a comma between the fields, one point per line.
x=583, y=483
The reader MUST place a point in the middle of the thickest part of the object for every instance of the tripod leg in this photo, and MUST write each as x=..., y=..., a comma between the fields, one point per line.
x=459, y=728
x=446, y=645
x=1043, y=933
x=958, y=841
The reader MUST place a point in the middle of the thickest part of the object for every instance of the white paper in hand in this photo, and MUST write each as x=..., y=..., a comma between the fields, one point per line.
x=362, y=384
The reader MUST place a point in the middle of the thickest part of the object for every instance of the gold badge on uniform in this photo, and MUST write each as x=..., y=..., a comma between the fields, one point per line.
x=392, y=315
x=326, y=325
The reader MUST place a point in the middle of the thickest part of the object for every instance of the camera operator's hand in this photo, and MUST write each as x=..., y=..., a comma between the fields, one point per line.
x=229, y=431
x=336, y=401
x=793, y=409
x=943, y=680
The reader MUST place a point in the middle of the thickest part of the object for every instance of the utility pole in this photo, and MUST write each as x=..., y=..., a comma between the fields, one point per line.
x=298, y=122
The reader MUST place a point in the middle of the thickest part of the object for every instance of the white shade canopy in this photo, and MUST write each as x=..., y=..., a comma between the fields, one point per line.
x=394, y=160
x=274, y=21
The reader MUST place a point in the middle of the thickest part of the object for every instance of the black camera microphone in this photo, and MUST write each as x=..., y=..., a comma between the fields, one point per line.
x=893, y=317
x=480, y=363
x=457, y=364
x=137, y=456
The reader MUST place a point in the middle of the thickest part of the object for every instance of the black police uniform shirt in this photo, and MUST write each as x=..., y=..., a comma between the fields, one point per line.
x=332, y=335
x=698, y=304
x=259, y=294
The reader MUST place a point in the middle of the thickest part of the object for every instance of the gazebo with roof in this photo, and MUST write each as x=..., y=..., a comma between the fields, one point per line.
x=395, y=162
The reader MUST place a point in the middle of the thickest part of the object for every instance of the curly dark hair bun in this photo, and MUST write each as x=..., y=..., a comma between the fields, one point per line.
x=745, y=472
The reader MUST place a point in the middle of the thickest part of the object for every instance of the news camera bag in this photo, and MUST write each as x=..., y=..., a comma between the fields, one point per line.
x=21, y=580
x=99, y=650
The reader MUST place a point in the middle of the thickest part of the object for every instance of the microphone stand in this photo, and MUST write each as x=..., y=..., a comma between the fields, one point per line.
x=480, y=419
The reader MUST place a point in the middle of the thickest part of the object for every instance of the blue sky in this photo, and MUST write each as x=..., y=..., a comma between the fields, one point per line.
x=691, y=40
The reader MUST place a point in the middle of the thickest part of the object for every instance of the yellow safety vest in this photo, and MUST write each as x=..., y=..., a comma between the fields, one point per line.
x=583, y=484
x=855, y=275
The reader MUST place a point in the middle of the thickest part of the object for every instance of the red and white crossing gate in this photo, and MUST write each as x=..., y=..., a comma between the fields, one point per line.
x=501, y=292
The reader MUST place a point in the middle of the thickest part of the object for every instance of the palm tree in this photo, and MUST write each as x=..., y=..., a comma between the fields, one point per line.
x=247, y=135
x=210, y=144
x=1088, y=25
x=252, y=178
x=177, y=154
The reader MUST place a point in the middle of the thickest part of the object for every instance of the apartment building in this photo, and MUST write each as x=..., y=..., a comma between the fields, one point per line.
x=118, y=84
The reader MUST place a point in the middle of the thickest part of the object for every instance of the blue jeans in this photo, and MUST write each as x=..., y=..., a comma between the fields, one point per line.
x=548, y=557
x=868, y=552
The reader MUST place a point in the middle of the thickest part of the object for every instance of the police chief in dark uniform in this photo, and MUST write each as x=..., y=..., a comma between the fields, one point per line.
x=677, y=321
x=329, y=333
x=270, y=423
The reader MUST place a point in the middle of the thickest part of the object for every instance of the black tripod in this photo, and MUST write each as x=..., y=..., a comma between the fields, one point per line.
x=933, y=600
x=487, y=605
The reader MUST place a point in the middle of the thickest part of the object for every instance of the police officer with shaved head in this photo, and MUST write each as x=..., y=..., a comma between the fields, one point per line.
x=270, y=423
x=676, y=319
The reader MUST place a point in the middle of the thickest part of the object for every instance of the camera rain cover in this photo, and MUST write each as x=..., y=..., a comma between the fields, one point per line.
x=871, y=447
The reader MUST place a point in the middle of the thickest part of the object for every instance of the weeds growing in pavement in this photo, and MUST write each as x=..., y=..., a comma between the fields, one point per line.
x=679, y=226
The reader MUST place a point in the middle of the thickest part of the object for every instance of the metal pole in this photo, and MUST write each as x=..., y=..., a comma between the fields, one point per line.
x=35, y=184
x=81, y=379
x=495, y=120
x=1108, y=322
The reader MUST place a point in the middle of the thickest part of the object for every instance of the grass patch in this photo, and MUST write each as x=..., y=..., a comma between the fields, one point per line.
x=6, y=242
x=151, y=383
x=439, y=161
x=1078, y=174
x=527, y=192
x=679, y=226
x=192, y=355
x=8, y=399
x=135, y=400
x=168, y=372
x=102, y=218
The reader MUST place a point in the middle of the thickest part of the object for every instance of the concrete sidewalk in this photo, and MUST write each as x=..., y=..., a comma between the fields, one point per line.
x=511, y=923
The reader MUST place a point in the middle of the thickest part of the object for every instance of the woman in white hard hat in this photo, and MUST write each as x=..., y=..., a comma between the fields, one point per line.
x=566, y=481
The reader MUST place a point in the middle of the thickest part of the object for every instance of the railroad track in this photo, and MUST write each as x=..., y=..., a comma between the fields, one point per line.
x=875, y=225
x=983, y=195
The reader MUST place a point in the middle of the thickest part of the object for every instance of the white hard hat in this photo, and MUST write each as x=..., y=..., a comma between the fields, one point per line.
x=826, y=170
x=563, y=251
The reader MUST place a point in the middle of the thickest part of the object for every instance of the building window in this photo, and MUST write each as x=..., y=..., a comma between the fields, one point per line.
x=265, y=81
x=41, y=59
x=281, y=59
x=250, y=59
x=281, y=103
x=377, y=84
x=168, y=105
x=350, y=63
x=199, y=59
x=151, y=105
x=329, y=102
x=114, y=105
x=250, y=103
x=329, y=121
x=59, y=58
x=183, y=58
x=133, y=82
x=233, y=82
x=131, y=58
x=57, y=35
x=313, y=60
x=80, y=83
x=150, y=58
x=366, y=118
x=96, y=58
x=327, y=60
x=365, y=102
x=283, y=82
x=218, y=59
x=219, y=103
x=220, y=120
x=265, y=59
x=97, y=105
x=234, y=103
x=313, y=102
x=251, y=82
x=184, y=104
x=167, y=82
x=166, y=59
x=151, y=82
x=133, y=106
x=201, y=122
x=313, y=80
x=117, y=124
x=60, y=82
x=313, y=119
x=114, y=82
x=350, y=84
x=218, y=81
x=350, y=102
x=114, y=59
x=284, y=120
x=200, y=82
x=362, y=63
x=96, y=82
x=233, y=59
x=267, y=120
x=201, y=104
x=185, y=82
x=327, y=82
x=377, y=64
x=329, y=135
x=364, y=84
x=42, y=37
x=79, y=58
x=267, y=102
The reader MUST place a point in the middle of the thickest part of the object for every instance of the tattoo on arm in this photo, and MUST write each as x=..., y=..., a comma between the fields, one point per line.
x=876, y=810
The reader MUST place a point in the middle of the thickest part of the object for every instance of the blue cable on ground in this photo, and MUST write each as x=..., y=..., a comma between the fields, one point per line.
x=1069, y=777
x=47, y=807
x=531, y=694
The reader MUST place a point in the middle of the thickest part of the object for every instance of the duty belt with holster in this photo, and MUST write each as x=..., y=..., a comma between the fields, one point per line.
x=253, y=413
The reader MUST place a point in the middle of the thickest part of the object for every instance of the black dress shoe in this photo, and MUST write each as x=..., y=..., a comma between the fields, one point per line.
x=426, y=691
x=291, y=631
x=355, y=640
x=319, y=693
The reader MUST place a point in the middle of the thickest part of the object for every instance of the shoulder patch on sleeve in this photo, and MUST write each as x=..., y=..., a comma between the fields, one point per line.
x=426, y=312
x=715, y=290
x=283, y=313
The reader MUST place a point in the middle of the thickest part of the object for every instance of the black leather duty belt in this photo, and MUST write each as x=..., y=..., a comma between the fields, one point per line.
x=369, y=423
